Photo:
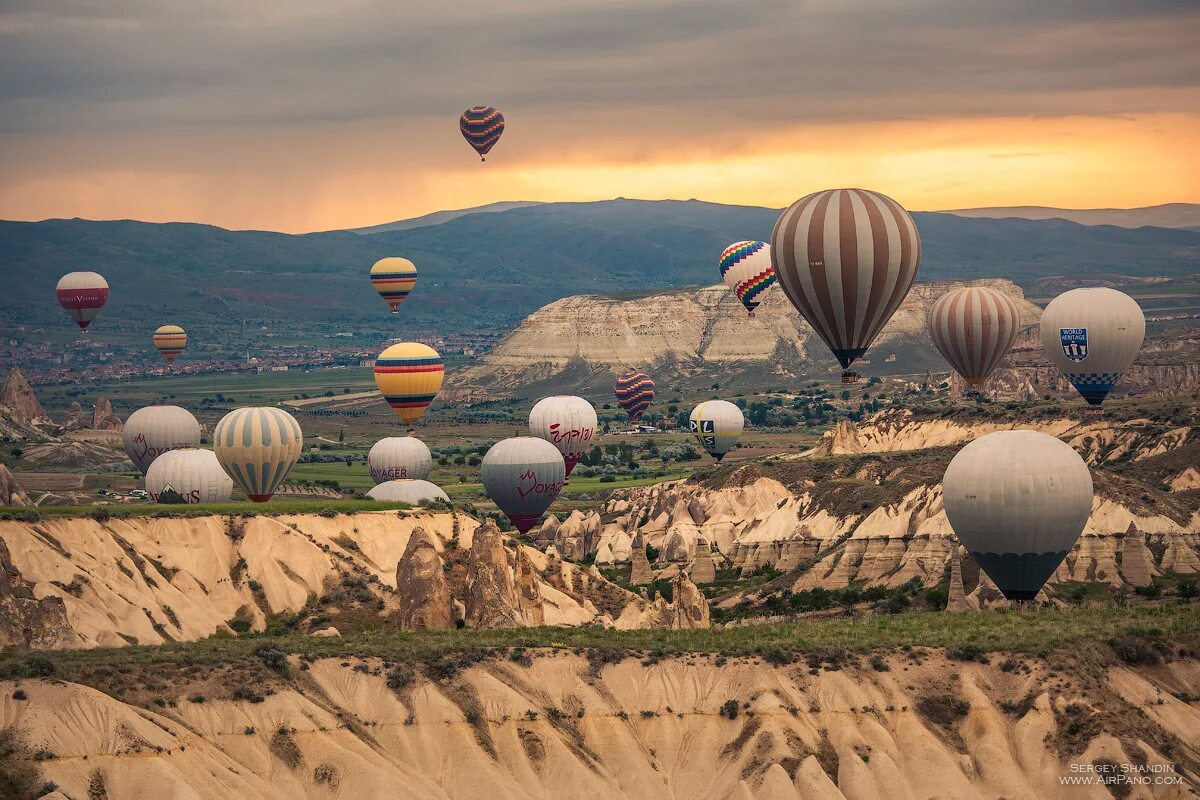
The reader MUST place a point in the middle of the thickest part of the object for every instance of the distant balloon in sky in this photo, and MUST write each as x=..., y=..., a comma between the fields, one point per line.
x=195, y=476
x=717, y=425
x=567, y=422
x=523, y=476
x=974, y=328
x=846, y=258
x=1092, y=336
x=635, y=393
x=481, y=126
x=409, y=376
x=1018, y=501
x=258, y=446
x=82, y=295
x=393, y=278
x=399, y=458
x=151, y=431
x=746, y=269
x=408, y=491
x=170, y=341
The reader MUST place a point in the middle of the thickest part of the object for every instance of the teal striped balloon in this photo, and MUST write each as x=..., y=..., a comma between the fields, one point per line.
x=258, y=446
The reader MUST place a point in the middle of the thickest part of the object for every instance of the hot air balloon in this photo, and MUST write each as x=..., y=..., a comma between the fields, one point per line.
x=1092, y=336
x=399, y=458
x=481, y=126
x=1018, y=500
x=258, y=446
x=194, y=476
x=170, y=341
x=151, y=431
x=567, y=422
x=412, y=492
x=393, y=278
x=635, y=393
x=746, y=269
x=717, y=424
x=409, y=376
x=846, y=259
x=974, y=328
x=523, y=476
x=82, y=295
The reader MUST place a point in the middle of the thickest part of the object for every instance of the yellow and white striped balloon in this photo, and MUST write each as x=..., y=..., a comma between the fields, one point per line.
x=258, y=446
x=170, y=341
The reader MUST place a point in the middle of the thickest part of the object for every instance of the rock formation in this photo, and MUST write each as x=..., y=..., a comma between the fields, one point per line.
x=103, y=418
x=686, y=610
x=17, y=395
x=1137, y=562
x=641, y=572
x=11, y=493
x=529, y=591
x=702, y=570
x=490, y=595
x=958, y=598
x=26, y=621
x=421, y=586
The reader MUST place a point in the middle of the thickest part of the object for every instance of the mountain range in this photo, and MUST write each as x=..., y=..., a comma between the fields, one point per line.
x=1167, y=215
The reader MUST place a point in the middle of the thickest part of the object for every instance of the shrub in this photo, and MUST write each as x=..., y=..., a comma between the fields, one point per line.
x=729, y=709
x=943, y=709
x=967, y=652
x=1135, y=647
x=273, y=657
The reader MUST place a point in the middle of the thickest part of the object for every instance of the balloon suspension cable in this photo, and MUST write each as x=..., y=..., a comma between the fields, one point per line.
x=849, y=376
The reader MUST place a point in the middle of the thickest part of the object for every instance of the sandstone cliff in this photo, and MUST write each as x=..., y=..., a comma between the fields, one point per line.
x=22, y=404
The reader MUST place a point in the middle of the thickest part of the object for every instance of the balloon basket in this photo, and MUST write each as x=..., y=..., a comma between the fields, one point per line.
x=1093, y=412
x=851, y=377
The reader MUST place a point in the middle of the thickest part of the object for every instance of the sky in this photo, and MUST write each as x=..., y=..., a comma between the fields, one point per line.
x=324, y=114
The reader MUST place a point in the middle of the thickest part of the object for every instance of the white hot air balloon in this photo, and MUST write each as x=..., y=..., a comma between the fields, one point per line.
x=1018, y=500
x=151, y=431
x=1092, y=336
x=717, y=424
x=399, y=458
x=523, y=476
x=567, y=422
x=258, y=446
x=407, y=491
x=195, y=476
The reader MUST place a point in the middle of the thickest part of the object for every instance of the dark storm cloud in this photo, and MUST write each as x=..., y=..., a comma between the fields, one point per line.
x=126, y=65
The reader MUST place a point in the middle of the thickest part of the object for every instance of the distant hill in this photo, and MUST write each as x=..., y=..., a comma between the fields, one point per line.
x=1168, y=215
x=438, y=217
x=493, y=269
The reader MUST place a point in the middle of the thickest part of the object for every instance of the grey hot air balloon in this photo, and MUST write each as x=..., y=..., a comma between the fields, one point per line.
x=195, y=476
x=1018, y=500
x=1092, y=336
x=523, y=476
x=846, y=259
x=399, y=458
x=258, y=446
x=407, y=491
x=717, y=425
x=974, y=328
x=567, y=422
x=151, y=431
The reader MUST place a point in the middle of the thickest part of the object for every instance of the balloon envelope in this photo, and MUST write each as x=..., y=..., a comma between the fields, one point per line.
x=407, y=491
x=717, y=424
x=82, y=295
x=393, y=278
x=635, y=393
x=974, y=328
x=399, y=458
x=409, y=376
x=170, y=341
x=567, y=422
x=523, y=476
x=258, y=446
x=151, y=431
x=746, y=269
x=1092, y=336
x=481, y=126
x=195, y=476
x=846, y=258
x=1018, y=500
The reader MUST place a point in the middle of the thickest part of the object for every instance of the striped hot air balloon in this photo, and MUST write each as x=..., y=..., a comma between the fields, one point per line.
x=846, y=259
x=258, y=446
x=635, y=393
x=1092, y=336
x=974, y=328
x=393, y=278
x=82, y=295
x=151, y=431
x=409, y=376
x=746, y=269
x=170, y=341
x=481, y=126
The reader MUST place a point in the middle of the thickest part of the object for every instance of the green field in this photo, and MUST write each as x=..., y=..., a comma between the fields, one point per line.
x=273, y=507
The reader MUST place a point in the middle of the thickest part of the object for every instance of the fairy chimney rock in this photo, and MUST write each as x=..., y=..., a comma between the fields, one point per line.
x=491, y=593
x=18, y=395
x=421, y=586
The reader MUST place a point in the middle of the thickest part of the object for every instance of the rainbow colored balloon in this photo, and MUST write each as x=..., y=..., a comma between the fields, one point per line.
x=481, y=126
x=170, y=341
x=409, y=376
x=746, y=269
x=635, y=393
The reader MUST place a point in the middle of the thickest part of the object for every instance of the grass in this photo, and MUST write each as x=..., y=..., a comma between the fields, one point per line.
x=274, y=507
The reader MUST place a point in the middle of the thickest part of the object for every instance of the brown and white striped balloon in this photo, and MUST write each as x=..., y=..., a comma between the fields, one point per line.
x=846, y=259
x=974, y=328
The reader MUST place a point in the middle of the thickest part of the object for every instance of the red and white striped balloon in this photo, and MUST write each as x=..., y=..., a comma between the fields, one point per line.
x=82, y=295
x=846, y=259
x=974, y=328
